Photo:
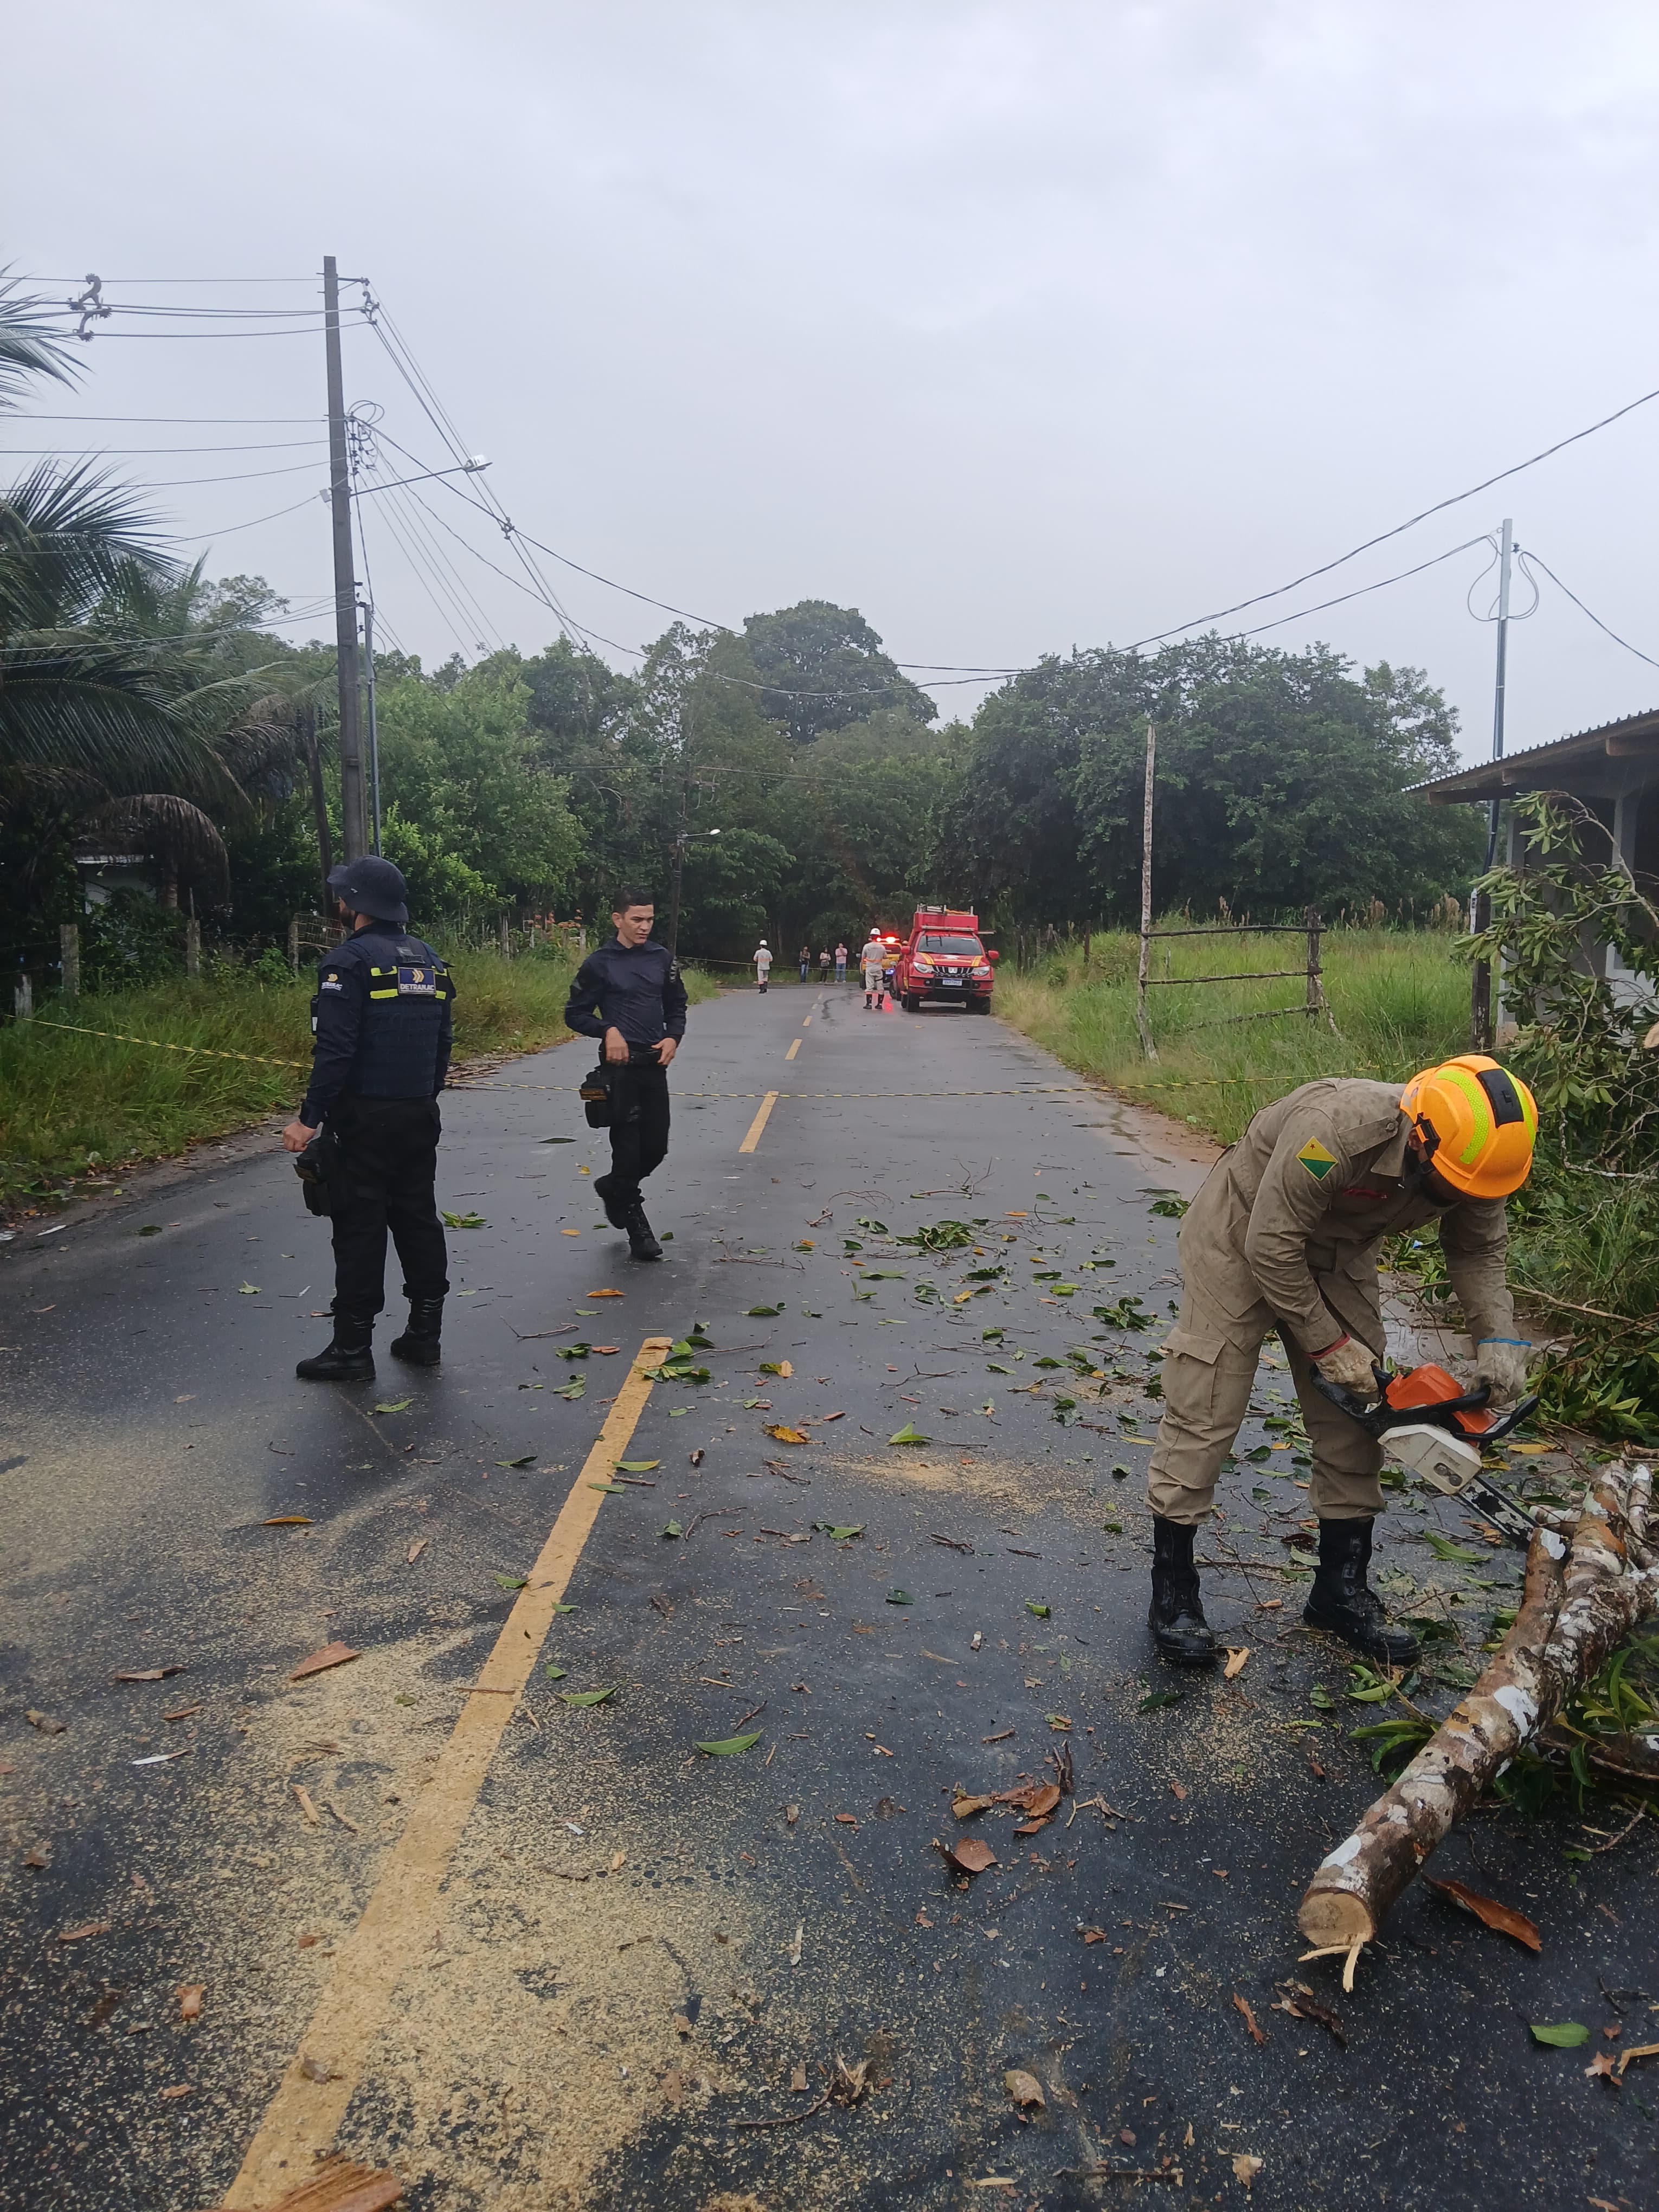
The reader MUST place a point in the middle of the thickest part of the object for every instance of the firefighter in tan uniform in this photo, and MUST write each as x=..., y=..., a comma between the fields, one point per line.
x=1285, y=1234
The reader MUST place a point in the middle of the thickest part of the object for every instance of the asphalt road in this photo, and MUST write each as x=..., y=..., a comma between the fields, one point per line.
x=537, y=1954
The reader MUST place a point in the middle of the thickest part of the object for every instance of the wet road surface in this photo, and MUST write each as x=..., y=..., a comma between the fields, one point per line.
x=535, y=1953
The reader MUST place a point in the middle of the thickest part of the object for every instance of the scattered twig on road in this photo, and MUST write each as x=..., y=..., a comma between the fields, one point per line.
x=955, y=1544
x=1594, y=1850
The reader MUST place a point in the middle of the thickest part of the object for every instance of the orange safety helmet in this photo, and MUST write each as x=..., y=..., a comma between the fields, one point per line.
x=1477, y=1124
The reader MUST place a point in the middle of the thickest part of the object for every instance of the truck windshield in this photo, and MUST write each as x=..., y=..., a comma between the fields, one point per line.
x=964, y=947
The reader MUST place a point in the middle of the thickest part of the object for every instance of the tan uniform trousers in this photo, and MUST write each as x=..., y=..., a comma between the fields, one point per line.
x=1206, y=1399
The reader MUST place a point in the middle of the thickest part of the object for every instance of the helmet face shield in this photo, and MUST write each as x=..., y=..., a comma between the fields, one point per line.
x=1475, y=1125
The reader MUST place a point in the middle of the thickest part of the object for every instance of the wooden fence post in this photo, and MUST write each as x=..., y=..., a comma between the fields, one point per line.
x=506, y=938
x=192, y=947
x=1481, y=1021
x=1317, y=1003
x=1146, y=1045
x=22, y=997
x=68, y=956
x=294, y=943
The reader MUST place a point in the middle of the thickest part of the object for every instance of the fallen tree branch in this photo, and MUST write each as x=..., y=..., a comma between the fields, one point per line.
x=1583, y=1598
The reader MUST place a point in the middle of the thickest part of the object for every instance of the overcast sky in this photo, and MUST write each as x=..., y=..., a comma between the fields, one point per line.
x=1014, y=325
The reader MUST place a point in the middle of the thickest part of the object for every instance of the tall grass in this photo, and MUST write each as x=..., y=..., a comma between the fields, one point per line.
x=70, y=1104
x=1399, y=998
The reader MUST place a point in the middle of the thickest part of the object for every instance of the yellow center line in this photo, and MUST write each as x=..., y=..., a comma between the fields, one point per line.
x=759, y=1122
x=306, y=2113
x=793, y=1050
x=807, y=1023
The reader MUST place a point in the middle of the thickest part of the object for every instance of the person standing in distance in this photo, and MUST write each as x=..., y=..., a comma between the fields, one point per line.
x=805, y=962
x=381, y=1035
x=840, y=963
x=873, y=960
x=628, y=993
x=763, y=965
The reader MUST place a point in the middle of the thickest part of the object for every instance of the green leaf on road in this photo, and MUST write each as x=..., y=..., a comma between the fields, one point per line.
x=556, y=1674
x=510, y=1581
x=1041, y=1611
x=611, y=1489
x=1319, y=1696
x=882, y=1275
x=587, y=1697
x=250, y=1290
x=996, y=1367
x=1443, y=1548
x=1171, y=1209
x=150, y=1229
x=395, y=1406
x=572, y=1390
x=1563, y=2035
x=671, y=1528
x=728, y=1747
x=525, y=1459
x=637, y=1466
x=762, y=1313
x=465, y=1221
x=1158, y=1699
x=841, y=1536
x=909, y=1434
x=572, y=1350
x=564, y=1608
x=900, y=1597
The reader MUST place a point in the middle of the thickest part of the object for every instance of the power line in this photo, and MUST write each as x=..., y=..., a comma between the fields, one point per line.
x=197, y=536
x=1529, y=556
x=269, y=445
x=213, y=419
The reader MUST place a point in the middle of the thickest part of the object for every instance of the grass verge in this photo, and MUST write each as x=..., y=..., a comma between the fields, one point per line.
x=1399, y=998
x=72, y=1104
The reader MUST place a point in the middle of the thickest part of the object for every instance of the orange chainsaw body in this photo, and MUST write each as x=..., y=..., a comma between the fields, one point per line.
x=1429, y=1386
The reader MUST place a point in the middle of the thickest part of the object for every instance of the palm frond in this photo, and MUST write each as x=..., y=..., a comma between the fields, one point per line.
x=67, y=704
x=67, y=536
x=29, y=345
x=169, y=828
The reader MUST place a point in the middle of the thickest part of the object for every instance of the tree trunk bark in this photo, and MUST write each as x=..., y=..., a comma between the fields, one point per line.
x=1580, y=1600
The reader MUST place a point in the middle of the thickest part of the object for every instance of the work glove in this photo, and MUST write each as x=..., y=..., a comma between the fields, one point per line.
x=1348, y=1362
x=1502, y=1362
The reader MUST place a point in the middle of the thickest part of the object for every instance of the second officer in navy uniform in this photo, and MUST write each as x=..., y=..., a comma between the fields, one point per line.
x=381, y=1023
x=628, y=993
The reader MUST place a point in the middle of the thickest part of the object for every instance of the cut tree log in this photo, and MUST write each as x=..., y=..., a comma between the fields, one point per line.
x=1592, y=1579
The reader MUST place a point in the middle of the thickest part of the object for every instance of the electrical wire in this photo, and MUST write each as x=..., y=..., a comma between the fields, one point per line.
x=213, y=419
x=447, y=606
x=414, y=514
x=1524, y=557
x=198, y=537
x=269, y=445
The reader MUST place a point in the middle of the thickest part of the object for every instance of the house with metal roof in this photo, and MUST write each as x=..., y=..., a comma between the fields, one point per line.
x=1614, y=771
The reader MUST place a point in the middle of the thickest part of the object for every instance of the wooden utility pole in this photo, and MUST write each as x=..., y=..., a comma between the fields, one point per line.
x=1141, y=1025
x=1480, y=1002
x=353, y=812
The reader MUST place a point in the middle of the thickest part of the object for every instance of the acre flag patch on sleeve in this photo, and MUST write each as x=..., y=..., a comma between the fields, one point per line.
x=1317, y=1160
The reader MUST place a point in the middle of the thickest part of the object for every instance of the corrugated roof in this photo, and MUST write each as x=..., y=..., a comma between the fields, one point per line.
x=1491, y=779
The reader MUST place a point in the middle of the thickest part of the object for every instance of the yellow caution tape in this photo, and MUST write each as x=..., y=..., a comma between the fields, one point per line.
x=254, y=1059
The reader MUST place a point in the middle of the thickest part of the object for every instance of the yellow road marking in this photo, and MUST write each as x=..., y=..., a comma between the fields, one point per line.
x=793, y=1050
x=759, y=1122
x=807, y=1023
x=305, y=2115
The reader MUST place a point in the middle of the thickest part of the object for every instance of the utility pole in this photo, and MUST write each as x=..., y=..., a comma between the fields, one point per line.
x=1480, y=1007
x=373, y=730
x=1141, y=1023
x=345, y=585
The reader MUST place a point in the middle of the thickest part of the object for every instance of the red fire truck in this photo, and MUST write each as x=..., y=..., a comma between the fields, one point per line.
x=945, y=961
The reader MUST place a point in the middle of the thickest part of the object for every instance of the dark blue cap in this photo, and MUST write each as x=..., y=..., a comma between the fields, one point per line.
x=373, y=887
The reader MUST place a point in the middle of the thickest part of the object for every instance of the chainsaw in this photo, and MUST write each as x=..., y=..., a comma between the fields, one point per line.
x=1431, y=1425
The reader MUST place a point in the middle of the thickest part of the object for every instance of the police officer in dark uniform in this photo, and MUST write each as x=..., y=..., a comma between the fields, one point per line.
x=380, y=1022
x=629, y=993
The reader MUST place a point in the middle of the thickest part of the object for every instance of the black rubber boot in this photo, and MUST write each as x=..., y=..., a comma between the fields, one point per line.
x=642, y=1243
x=1176, y=1618
x=1343, y=1601
x=420, y=1342
x=349, y=1358
x=615, y=1207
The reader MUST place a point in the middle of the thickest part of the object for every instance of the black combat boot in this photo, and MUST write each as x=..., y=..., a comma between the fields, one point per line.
x=1343, y=1601
x=349, y=1358
x=419, y=1343
x=615, y=1204
x=642, y=1243
x=1177, y=1619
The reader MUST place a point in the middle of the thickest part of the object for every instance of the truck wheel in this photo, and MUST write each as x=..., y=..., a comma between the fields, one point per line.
x=911, y=1003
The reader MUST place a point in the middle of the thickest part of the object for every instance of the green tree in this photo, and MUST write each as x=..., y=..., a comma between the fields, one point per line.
x=822, y=667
